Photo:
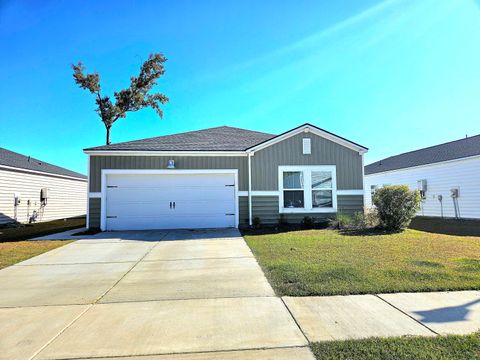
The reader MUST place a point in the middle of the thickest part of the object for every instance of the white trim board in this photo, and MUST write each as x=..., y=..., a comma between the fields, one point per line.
x=349, y=192
x=106, y=172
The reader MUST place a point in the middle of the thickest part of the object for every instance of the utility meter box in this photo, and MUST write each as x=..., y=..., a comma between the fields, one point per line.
x=17, y=198
x=422, y=185
x=455, y=192
x=44, y=195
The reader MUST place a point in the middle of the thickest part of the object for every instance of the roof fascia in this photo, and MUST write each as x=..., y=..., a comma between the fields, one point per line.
x=162, y=153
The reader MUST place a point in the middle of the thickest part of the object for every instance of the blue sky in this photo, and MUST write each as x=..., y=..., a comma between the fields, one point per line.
x=392, y=75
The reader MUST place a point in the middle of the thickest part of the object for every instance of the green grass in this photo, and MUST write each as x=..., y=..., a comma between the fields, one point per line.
x=413, y=347
x=328, y=262
x=16, y=251
x=30, y=231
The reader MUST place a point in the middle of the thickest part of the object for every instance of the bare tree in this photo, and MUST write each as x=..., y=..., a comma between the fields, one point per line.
x=131, y=99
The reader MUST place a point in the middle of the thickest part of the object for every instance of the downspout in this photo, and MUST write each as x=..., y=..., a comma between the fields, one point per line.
x=363, y=182
x=88, y=195
x=250, y=222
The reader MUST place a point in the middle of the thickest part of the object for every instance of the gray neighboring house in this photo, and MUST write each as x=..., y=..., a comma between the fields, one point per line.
x=32, y=190
x=223, y=177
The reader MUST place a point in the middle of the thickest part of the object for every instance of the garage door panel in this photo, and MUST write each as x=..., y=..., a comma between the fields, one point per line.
x=143, y=201
x=148, y=180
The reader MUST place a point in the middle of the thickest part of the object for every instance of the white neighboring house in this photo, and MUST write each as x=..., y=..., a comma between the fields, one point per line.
x=32, y=190
x=448, y=175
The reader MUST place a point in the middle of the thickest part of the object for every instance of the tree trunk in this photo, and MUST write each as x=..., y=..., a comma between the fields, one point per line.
x=108, y=134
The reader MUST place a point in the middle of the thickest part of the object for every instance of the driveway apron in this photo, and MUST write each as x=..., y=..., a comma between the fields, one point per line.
x=180, y=294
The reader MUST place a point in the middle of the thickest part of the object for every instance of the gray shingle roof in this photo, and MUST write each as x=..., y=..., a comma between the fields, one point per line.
x=223, y=138
x=16, y=160
x=449, y=151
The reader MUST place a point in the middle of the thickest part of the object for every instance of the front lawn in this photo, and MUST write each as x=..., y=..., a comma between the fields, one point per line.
x=14, y=252
x=30, y=231
x=328, y=262
x=412, y=347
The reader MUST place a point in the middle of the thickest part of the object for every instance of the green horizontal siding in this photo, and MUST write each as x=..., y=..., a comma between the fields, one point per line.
x=243, y=208
x=350, y=203
x=94, y=205
x=98, y=163
x=265, y=162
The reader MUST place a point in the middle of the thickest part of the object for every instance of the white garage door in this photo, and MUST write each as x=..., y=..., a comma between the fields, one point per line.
x=173, y=201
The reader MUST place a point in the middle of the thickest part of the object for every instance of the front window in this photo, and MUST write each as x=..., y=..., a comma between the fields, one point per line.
x=322, y=189
x=307, y=188
x=293, y=189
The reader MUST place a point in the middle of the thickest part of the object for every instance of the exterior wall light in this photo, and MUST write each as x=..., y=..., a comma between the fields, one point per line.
x=171, y=164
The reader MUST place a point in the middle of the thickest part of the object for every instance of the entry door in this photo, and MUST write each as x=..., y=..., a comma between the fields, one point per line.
x=173, y=201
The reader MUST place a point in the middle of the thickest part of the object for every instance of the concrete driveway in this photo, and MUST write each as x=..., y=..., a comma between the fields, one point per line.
x=170, y=294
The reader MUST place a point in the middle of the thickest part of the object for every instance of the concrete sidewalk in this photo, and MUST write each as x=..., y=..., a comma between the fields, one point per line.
x=324, y=318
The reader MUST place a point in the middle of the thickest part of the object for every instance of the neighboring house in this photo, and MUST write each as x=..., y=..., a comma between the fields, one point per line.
x=448, y=176
x=223, y=177
x=32, y=190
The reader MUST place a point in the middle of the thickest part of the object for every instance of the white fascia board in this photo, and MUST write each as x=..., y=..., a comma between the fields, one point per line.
x=309, y=129
x=163, y=153
x=11, y=168
x=426, y=165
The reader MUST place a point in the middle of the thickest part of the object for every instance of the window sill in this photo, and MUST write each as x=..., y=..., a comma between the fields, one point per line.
x=306, y=211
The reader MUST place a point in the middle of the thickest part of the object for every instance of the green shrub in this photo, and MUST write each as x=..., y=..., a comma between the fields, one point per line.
x=396, y=206
x=308, y=222
x=256, y=223
x=358, y=220
x=371, y=219
x=344, y=221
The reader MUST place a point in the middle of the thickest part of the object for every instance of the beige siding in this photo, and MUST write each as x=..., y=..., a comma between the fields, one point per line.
x=290, y=152
x=67, y=198
x=97, y=163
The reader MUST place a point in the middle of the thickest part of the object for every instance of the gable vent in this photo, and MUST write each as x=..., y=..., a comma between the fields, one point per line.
x=307, y=146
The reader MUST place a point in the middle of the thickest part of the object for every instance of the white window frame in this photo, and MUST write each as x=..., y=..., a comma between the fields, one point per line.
x=307, y=189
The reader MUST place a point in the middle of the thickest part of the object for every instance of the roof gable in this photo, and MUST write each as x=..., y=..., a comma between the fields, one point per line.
x=15, y=160
x=453, y=150
x=309, y=128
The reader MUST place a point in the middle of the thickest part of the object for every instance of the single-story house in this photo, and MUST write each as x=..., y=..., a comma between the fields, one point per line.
x=447, y=175
x=32, y=190
x=223, y=177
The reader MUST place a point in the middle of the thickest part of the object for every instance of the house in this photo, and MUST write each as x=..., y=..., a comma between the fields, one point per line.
x=448, y=176
x=32, y=190
x=223, y=177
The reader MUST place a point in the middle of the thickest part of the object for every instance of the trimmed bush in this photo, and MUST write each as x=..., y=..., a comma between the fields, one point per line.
x=396, y=206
